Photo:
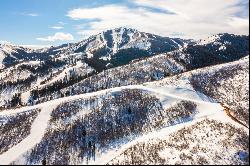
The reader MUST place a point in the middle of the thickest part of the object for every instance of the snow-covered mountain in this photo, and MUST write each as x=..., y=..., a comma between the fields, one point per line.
x=108, y=49
x=119, y=46
x=216, y=49
x=167, y=124
x=6, y=53
x=143, y=70
x=126, y=97
x=62, y=74
x=13, y=54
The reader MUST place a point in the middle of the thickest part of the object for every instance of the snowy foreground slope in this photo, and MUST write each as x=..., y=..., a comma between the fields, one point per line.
x=127, y=125
x=226, y=83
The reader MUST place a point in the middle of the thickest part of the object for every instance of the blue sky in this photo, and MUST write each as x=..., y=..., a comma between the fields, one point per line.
x=53, y=22
x=19, y=26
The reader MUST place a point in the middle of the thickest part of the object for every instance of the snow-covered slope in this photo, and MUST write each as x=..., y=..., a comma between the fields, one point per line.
x=112, y=41
x=214, y=50
x=5, y=51
x=192, y=143
x=113, y=47
x=226, y=83
x=39, y=80
x=23, y=69
x=149, y=69
x=121, y=45
x=91, y=128
x=22, y=78
x=154, y=68
x=10, y=54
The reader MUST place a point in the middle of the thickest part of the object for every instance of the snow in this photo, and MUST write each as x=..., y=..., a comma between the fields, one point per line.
x=2, y=56
x=106, y=58
x=5, y=49
x=176, y=43
x=206, y=108
x=162, y=133
x=158, y=134
x=36, y=134
x=209, y=40
x=223, y=47
x=36, y=47
x=140, y=44
x=173, y=92
x=25, y=97
x=117, y=39
x=168, y=96
x=8, y=49
x=32, y=63
x=215, y=40
x=80, y=68
x=130, y=34
x=23, y=74
x=179, y=93
x=93, y=45
x=89, y=55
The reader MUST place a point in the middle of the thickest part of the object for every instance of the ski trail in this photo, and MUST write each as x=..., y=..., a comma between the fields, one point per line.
x=180, y=93
x=37, y=131
x=174, y=92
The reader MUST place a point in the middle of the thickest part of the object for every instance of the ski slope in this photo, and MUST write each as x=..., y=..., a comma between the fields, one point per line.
x=174, y=92
x=37, y=131
x=205, y=106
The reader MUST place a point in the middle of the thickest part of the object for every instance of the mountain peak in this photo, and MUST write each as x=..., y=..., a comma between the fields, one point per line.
x=122, y=29
x=221, y=38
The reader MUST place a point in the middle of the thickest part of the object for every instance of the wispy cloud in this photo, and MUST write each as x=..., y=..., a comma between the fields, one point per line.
x=61, y=23
x=57, y=27
x=59, y=36
x=30, y=14
x=33, y=14
x=192, y=18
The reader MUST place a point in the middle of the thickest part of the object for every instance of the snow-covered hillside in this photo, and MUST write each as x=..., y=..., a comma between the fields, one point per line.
x=19, y=80
x=226, y=83
x=214, y=50
x=12, y=54
x=23, y=69
x=163, y=65
x=5, y=51
x=100, y=127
